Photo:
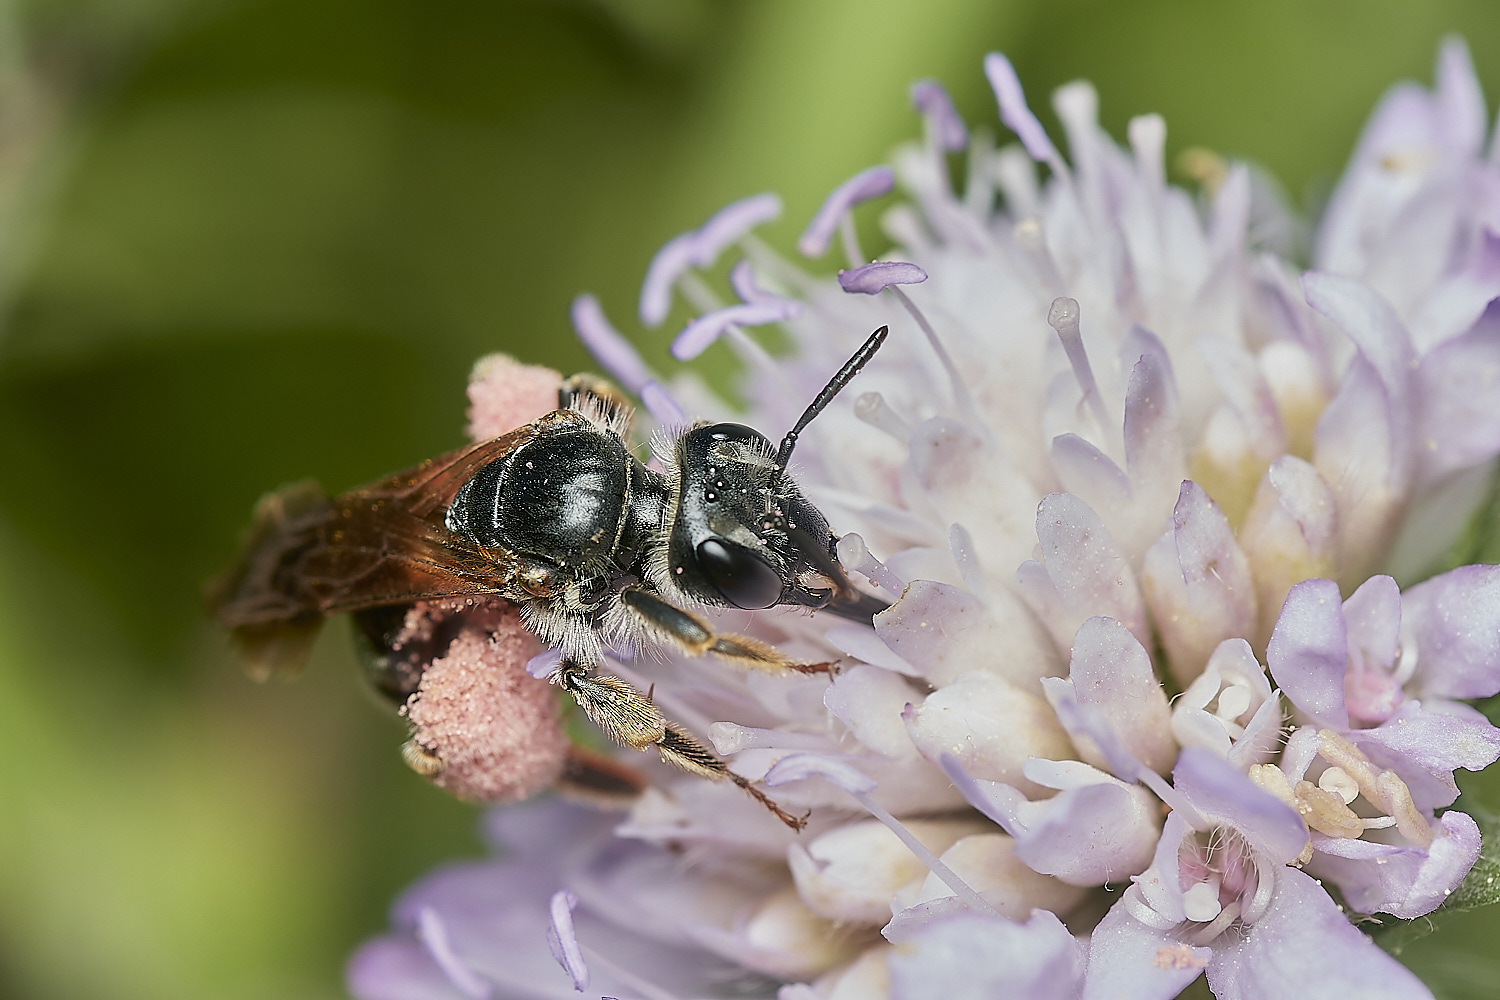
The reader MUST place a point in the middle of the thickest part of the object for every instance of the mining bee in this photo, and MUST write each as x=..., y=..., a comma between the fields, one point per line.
x=597, y=550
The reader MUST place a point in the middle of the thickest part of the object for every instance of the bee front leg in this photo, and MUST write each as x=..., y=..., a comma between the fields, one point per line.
x=631, y=720
x=693, y=635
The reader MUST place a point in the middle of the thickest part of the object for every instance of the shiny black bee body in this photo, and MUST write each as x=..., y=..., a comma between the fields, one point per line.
x=599, y=551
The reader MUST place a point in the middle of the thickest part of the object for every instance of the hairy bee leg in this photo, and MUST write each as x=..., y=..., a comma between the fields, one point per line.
x=632, y=720
x=694, y=635
x=626, y=716
x=576, y=389
x=599, y=780
x=678, y=748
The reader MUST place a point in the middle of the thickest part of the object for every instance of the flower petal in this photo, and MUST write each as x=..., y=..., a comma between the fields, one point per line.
x=1198, y=584
x=1305, y=947
x=1458, y=399
x=1111, y=671
x=1308, y=654
x=1226, y=796
x=1405, y=881
x=967, y=956
x=1454, y=619
x=1130, y=961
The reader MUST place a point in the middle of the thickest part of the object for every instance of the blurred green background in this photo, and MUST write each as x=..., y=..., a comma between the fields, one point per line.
x=247, y=241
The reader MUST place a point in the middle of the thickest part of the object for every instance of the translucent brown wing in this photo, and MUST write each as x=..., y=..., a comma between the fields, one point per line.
x=307, y=557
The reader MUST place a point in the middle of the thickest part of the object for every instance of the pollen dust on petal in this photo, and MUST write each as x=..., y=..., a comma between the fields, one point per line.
x=1177, y=956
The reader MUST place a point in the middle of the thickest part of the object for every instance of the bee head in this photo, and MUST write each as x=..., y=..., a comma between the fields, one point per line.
x=743, y=530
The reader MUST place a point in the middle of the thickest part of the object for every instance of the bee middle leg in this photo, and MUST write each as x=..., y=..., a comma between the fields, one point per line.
x=693, y=635
x=632, y=720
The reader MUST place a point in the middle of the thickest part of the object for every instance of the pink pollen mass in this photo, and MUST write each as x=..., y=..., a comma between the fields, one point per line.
x=504, y=394
x=498, y=730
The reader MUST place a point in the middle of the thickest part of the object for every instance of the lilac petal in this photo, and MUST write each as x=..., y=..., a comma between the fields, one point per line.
x=434, y=936
x=1226, y=796
x=1089, y=474
x=1460, y=99
x=542, y=665
x=1405, y=881
x=1086, y=567
x=801, y=766
x=675, y=257
x=1153, y=431
x=1437, y=741
x=612, y=351
x=930, y=98
x=1014, y=112
x=1372, y=617
x=1130, y=961
x=1111, y=671
x=872, y=279
x=944, y=632
x=1458, y=398
x=564, y=940
x=1090, y=730
x=1158, y=889
x=696, y=337
x=1093, y=835
x=1198, y=583
x=1304, y=946
x=1370, y=322
x=392, y=968
x=863, y=186
x=1357, y=441
x=1454, y=619
x=966, y=956
x=730, y=224
x=996, y=800
x=662, y=407
x=1308, y=654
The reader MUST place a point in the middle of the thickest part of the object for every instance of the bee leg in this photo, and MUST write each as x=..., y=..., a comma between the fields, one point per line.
x=630, y=719
x=578, y=390
x=599, y=780
x=693, y=634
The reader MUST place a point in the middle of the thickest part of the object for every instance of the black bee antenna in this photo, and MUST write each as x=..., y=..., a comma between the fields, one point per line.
x=833, y=388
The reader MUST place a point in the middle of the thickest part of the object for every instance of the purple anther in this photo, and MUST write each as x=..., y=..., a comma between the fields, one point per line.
x=675, y=256
x=563, y=940
x=696, y=337
x=730, y=224
x=1014, y=112
x=872, y=279
x=742, y=280
x=932, y=100
x=612, y=351
x=866, y=184
x=662, y=407
x=544, y=664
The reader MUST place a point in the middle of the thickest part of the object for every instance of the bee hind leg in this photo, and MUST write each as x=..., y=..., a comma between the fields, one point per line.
x=693, y=634
x=632, y=720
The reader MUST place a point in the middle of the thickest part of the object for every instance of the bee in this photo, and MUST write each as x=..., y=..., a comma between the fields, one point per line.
x=598, y=552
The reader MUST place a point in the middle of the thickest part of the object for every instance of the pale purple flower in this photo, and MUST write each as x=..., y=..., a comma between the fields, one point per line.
x=1112, y=439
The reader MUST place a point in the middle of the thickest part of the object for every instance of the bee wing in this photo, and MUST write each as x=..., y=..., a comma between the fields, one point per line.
x=307, y=557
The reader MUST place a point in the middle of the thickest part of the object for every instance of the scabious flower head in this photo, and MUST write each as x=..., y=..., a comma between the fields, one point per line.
x=1116, y=449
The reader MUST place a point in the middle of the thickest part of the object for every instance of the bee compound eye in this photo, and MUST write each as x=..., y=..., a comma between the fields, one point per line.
x=742, y=577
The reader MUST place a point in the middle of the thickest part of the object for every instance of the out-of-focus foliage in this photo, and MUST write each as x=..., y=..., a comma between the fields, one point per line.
x=246, y=241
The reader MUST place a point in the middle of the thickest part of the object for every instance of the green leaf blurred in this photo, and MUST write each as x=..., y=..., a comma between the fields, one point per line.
x=263, y=239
